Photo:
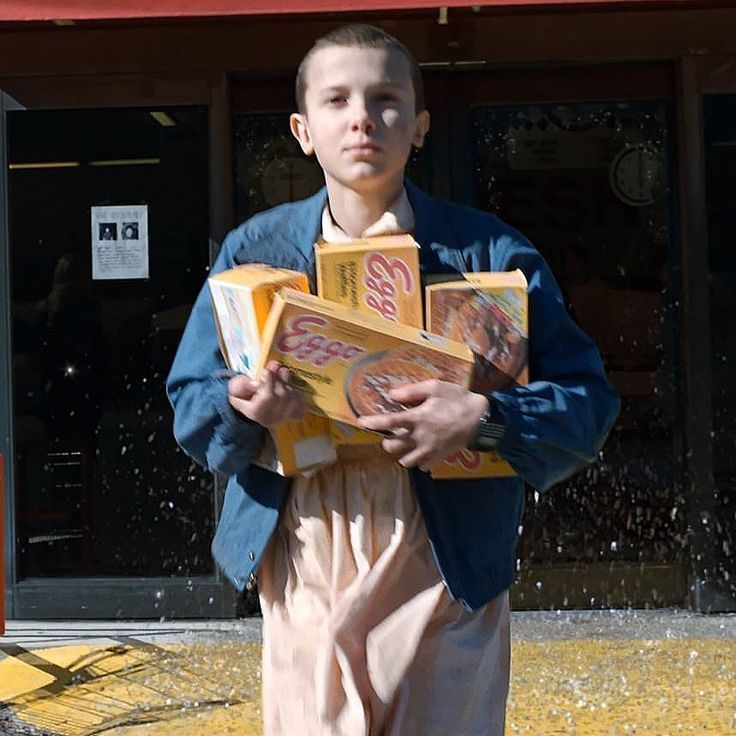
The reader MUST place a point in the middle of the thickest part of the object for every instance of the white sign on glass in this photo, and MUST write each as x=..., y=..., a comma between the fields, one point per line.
x=120, y=242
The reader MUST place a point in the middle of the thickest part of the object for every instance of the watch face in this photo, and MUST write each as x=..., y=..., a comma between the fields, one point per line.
x=637, y=176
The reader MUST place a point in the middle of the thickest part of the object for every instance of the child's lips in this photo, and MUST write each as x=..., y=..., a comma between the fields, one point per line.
x=363, y=149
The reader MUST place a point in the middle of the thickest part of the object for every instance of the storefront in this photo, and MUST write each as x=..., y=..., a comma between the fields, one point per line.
x=604, y=130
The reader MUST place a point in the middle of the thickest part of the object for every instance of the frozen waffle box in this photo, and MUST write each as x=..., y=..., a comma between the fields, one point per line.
x=489, y=313
x=242, y=299
x=379, y=276
x=345, y=362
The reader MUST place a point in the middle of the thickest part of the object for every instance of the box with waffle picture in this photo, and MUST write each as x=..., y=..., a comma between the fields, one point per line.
x=242, y=298
x=489, y=313
x=346, y=362
x=377, y=275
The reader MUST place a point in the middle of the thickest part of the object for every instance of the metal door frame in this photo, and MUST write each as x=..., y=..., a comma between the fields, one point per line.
x=7, y=103
x=205, y=596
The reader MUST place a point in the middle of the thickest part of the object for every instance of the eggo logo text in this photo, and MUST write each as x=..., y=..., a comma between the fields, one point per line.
x=308, y=346
x=381, y=277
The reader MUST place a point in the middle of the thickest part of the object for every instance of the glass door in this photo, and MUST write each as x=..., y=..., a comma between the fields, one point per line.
x=589, y=181
x=108, y=247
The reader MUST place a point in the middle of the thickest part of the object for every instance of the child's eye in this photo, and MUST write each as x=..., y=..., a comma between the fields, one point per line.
x=387, y=97
x=336, y=99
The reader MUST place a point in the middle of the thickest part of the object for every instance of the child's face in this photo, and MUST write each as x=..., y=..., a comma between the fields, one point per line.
x=360, y=119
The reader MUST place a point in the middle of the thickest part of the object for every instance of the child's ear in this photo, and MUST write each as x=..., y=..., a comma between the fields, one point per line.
x=421, y=128
x=300, y=131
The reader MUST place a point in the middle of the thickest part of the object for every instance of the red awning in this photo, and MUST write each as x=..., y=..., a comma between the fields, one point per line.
x=59, y=10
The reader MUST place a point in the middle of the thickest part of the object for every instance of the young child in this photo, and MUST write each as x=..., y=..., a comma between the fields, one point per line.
x=384, y=591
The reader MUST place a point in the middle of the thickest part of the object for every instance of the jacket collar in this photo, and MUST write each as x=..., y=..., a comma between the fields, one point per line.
x=432, y=230
x=306, y=226
x=432, y=226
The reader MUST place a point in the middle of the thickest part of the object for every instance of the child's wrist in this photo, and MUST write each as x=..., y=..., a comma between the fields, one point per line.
x=490, y=430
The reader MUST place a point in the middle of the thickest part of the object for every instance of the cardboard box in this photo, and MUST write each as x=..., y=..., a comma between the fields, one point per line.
x=345, y=362
x=379, y=276
x=242, y=299
x=489, y=313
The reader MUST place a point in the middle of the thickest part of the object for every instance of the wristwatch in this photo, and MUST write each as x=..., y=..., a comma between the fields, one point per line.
x=490, y=429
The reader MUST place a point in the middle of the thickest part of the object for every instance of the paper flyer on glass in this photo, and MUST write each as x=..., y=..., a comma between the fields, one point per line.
x=120, y=242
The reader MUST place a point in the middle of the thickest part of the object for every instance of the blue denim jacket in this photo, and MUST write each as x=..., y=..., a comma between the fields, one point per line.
x=554, y=426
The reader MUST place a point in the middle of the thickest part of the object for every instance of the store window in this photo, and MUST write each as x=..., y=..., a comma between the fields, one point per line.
x=109, y=246
x=590, y=185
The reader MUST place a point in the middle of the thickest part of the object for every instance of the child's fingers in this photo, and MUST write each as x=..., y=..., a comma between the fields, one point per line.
x=419, y=457
x=265, y=389
x=388, y=422
x=413, y=393
x=240, y=405
x=241, y=387
x=398, y=446
x=297, y=407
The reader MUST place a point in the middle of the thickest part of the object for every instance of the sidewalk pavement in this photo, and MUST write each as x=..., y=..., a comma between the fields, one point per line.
x=585, y=673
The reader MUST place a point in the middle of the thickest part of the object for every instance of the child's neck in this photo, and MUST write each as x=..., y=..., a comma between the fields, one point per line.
x=354, y=212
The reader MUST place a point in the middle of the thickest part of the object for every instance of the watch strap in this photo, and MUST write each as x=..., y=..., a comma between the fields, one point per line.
x=491, y=429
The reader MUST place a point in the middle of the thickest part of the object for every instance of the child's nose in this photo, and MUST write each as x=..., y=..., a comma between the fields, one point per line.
x=362, y=119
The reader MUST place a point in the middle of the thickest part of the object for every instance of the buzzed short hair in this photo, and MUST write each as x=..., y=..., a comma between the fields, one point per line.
x=359, y=35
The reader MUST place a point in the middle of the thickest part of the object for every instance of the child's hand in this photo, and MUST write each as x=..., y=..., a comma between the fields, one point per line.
x=444, y=420
x=268, y=401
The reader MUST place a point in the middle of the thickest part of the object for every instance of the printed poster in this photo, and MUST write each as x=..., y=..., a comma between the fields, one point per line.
x=120, y=242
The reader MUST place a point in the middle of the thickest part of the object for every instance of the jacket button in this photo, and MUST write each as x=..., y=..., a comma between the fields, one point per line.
x=251, y=555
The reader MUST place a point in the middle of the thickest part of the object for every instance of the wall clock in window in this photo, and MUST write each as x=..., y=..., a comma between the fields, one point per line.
x=637, y=175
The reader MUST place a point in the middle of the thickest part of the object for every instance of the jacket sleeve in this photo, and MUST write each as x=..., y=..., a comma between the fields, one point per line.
x=205, y=425
x=558, y=423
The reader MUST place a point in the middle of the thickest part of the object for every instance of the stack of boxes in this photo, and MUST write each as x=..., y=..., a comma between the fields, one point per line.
x=362, y=336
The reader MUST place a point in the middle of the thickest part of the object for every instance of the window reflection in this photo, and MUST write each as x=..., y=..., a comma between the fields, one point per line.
x=589, y=185
x=102, y=489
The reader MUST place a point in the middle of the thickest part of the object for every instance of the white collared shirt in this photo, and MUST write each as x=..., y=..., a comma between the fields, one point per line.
x=398, y=219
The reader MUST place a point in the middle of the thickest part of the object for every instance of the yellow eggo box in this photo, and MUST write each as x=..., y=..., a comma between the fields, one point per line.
x=489, y=313
x=346, y=362
x=242, y=299
x=378, y=275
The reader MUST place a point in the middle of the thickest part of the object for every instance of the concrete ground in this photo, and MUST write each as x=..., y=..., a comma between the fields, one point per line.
x=583, y=673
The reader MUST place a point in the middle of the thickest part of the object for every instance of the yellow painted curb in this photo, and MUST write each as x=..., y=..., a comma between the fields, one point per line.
x=621, y=688
x=141, y=689
x=576, y=687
